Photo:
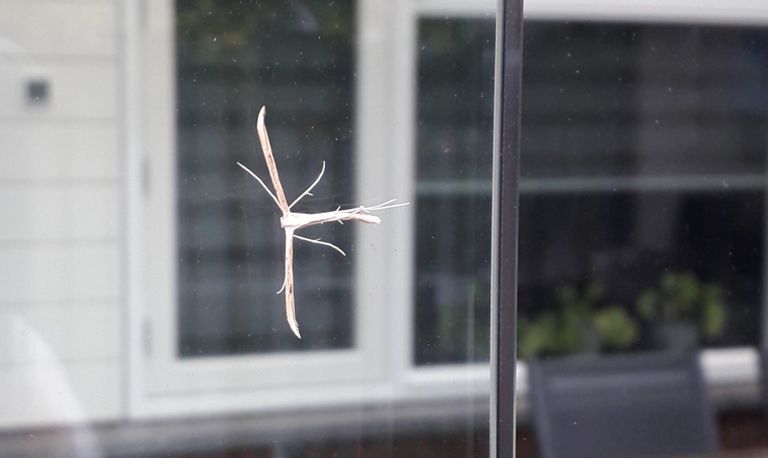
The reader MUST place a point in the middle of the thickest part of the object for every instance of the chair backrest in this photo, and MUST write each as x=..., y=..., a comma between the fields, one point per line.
x=622, y=406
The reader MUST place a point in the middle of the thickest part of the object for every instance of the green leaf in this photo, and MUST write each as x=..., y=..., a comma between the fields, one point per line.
x=615, y=328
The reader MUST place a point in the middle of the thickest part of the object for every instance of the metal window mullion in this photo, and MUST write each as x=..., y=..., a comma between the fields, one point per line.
x=506, y=160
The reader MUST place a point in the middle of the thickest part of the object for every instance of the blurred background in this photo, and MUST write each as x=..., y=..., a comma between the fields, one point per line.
x=139, y=264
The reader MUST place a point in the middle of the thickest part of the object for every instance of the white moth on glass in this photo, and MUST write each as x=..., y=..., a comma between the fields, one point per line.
x=293, y=221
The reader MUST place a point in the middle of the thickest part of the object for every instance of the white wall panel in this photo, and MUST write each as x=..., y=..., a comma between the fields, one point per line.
x=58, y=273
x=60, y=212
x=83, y=28
x=74, y=332
x=50, y=393
x=77, y=90
x=50, y=151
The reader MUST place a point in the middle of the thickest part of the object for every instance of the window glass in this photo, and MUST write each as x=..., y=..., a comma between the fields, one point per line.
x=231, y=58
x=642, y=209
x=642, y=193
x=139, y=263
x=453, y=218
x=139, y=315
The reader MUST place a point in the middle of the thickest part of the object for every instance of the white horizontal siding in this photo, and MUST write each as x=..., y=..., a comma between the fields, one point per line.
x=75, y=333
x=83, y=28
x=50, y=151
x=56, y=393
x=60, y=293
x=78, y=91
x=59, y=213
x=59, y=272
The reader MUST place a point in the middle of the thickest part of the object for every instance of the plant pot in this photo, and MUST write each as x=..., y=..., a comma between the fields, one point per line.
x=676, y=336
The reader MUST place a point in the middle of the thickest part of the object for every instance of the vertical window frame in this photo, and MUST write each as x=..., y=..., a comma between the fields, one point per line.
x=163, y=374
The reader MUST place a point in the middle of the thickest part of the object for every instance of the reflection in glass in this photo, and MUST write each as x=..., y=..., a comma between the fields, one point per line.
x=644, y=168
x=232, y=58
x=453, y=239
x=642, y=200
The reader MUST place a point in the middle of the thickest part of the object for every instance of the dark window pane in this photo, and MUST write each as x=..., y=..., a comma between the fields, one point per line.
x=642, y=215
x=643, y=100
x=233, y=57
x=453, y=238
x=643, y=163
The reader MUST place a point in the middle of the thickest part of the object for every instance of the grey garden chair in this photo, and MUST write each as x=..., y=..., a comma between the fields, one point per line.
x=649, y=405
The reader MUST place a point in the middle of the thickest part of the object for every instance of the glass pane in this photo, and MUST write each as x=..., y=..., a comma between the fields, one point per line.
x=139, y=263
x=642, y=214
x=642, y=239
x=232, y=58
x=453, y=226
x=643, y=164
x=646, y=101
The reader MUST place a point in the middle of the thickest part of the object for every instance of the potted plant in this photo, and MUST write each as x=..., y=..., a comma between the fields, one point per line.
x=581, y=323
x=683, y=310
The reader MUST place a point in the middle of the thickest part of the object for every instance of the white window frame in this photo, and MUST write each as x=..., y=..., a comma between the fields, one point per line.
x=168, y=384
x=380, y=368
